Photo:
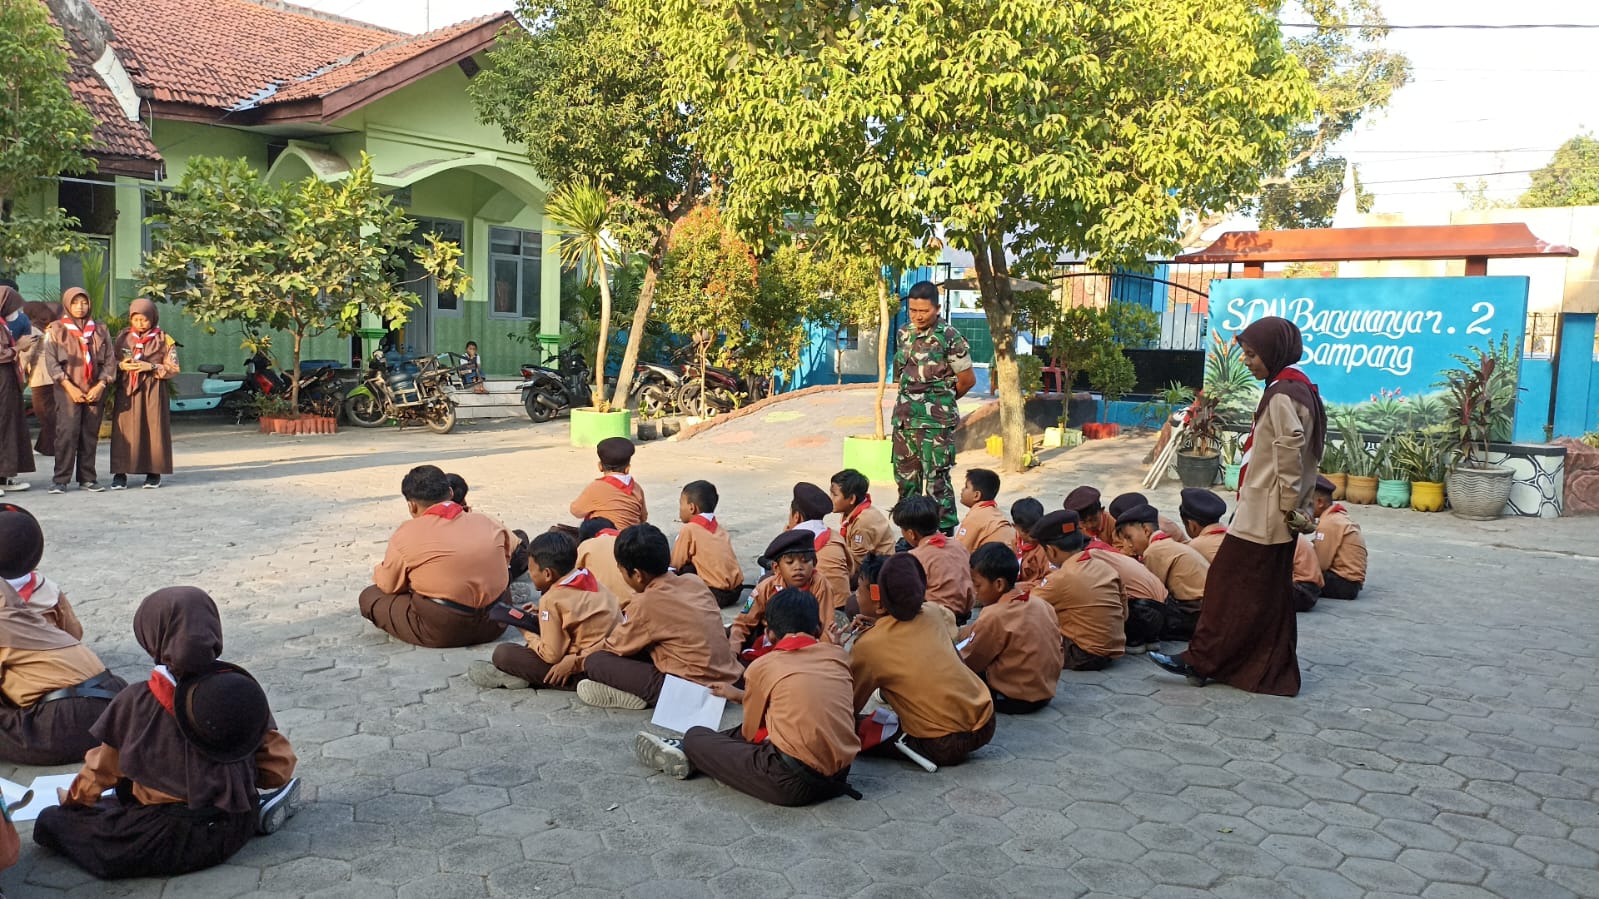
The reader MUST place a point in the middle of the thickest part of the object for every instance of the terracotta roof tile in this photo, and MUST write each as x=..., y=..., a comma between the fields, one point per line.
x=122, y=144
x=378, y=59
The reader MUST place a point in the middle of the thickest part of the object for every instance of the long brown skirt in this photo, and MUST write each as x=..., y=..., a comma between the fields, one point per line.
x=1246, y=634
x=44, y=412
x=141, y=431
x=16, y=456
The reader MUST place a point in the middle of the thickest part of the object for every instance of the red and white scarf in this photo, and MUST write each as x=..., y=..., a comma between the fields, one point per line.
x=706, y=520
x=448, y=510
x=854, y=514
x=163, y=686
x=152, y=338
x=621, y=482
x=580, y=579
x=85, y=338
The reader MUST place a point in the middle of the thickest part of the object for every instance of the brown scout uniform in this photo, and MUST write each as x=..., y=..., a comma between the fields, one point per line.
x=751, y=619
x=710, y=551
x=438, y=577
x=1172, y=529
x=985, y=524
x=801, y=699
x=610, y=497
x=677, y=622
x=1180, y=568
x=1090, y=607
x=598, y=555
x=1340, y=547
x=1034, y=562
x=1138, y=582
x=1015, y=646
x=921, y=677
x=948, y=567
x=1209, y=541
x=1307, y=565
x=834, y=565
x=572, y=621
x=866, y=530
x=49, y=600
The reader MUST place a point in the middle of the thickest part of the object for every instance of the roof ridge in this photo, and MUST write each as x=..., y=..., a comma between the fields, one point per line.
x=283, y=6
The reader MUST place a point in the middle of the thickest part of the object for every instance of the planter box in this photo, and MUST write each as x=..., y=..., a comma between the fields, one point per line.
x=305, y=424
x=590, y=427
x=871, y=457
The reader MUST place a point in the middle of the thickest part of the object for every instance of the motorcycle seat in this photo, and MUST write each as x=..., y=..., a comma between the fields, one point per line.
x=210, y=369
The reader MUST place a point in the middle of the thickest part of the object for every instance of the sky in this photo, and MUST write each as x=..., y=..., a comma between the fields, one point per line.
x=1492, y=104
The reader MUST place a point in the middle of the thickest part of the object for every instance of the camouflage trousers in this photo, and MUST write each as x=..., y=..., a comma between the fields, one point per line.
x=922, y=460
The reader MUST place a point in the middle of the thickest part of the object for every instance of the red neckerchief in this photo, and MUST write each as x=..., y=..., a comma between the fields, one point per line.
x=85, y=335
x=707, y=523
x=606, y=532
x=448, y=510
x=937, y=540
x=1336, y=507
x=139, y=341
x=1096, y=543
x=163, y=690
x=789, y=643
x=581, y=580
x=1159, y=535
x=1023, y=548
x=822, y=537
x=986, y=504
x=1087, y=555
x=1287, y=374
x=849, y=519
x=1214, y=529
x=618, y=483
x=1022, y=596
x=27, y=590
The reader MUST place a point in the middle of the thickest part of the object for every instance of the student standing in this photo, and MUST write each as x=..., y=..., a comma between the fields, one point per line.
x=141, y=429
x=77, y=353
x=39, y=383
x=1246, y=634
x=16, y=456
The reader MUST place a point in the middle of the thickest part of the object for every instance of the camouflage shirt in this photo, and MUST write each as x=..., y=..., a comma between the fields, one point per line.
x=927, y=363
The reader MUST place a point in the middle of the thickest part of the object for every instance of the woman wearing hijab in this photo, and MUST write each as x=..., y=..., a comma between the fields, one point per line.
x=40, y=315
x=186, y=752
x=77, y=354
x=141, y=429
x=15, y=455
x=54, y=687
x=1246, y=634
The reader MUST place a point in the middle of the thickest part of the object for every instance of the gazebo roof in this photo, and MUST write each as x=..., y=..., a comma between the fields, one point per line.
x=1512, y=240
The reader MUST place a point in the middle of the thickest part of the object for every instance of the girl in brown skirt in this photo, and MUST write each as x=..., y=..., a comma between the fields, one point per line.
x=141, y=432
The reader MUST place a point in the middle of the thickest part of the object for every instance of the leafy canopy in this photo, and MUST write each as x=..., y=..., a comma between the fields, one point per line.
x=1570, y=179
x=44, y=131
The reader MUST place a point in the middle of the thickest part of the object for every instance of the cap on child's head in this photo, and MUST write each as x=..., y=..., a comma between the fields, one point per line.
x=1325, y=486
x=615, y=453
x=788, y=543
x=1082, y=500
x=1140, y=514
x=21, y=541
x=811, y=501
x=1201, y=506
x=1126, y=501
x=1062, y=530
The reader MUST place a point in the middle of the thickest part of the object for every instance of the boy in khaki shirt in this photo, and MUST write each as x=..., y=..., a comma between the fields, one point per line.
x=1340, y=547
x=1014, y=645
x=793, y=561
x=1030, y=556
x=834, y=564
x=1089, y=602
x=945, y=562
x=573, y=615
x=1308, y=577
x=1201, y=511
x=1181, y=568
x=596, y=554
x=704, y=547
x=984, y=523
x=864, y=528
x=614, y=494
x=673, y=627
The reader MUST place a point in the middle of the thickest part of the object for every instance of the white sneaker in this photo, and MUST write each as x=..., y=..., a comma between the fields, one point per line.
x=604, y=696
x=664, y=754
x=278, y=807
x=15, y=486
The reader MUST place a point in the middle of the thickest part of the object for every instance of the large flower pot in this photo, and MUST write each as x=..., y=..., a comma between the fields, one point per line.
x=1362, y=490
x=1427, y=496
x=649, y=429
x=871, y=457
x=1198, y=471
x=1229, y=475
x=1340, y=482
x=590, y=427
x=1479, y=493
x=1393, y=494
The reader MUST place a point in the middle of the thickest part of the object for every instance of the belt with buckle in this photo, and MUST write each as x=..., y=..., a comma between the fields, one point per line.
x=454, y=606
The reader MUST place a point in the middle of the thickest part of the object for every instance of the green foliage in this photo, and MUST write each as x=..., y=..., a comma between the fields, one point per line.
x=1570, y=179
x=1359, y=459
x=1481, y=399
x=708, y=283
x=584, y=216
x=1202, y=432
x=1030, y=374
x=1156, y=409
x=1332, y=458
x=1421, y=457
x=1229, y=383
x=1308, y=197
x=304, y=258
x=44, y=131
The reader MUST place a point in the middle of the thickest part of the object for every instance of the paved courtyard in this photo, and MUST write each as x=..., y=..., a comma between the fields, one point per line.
x=1445, y=744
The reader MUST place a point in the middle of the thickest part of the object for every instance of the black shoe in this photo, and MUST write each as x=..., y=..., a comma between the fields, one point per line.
x=152, y=481
x=119, y=482
x=1176, y=665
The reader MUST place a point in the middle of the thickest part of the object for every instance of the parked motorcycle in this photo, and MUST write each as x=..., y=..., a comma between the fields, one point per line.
x=203, y=391
x=403, y=395
x=547, y=392
x=656, y=388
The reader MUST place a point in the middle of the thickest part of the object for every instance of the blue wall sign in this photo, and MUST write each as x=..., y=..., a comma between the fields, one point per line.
x=1367, y=336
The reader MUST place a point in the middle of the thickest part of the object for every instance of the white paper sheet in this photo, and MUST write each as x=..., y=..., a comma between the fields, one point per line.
x=685, y=704
x=44, y=794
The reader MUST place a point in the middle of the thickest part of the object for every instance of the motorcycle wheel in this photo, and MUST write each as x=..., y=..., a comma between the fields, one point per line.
x=655, y=400
x=364, y=411
x=721, y=399
x=536, y=410
x=441, y=418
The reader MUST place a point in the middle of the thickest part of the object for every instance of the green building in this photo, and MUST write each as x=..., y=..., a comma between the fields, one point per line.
x=299, y=93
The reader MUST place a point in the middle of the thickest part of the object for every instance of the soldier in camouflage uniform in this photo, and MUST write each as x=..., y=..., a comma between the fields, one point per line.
x=934, y=364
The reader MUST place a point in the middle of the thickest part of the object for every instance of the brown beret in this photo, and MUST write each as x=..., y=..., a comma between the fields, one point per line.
x=1323, y=484
x=1140, y=514
x=811, y=501
x=795, y=541
x=1124, y=502
x=614, y=452
x=1202, y=505
x=1061, y=529
x=1081, y=499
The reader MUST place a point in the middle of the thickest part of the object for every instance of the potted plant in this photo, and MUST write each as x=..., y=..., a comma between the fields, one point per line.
x=1361, y=464
x=1393, y=482
x=1199, y=446
x=1231, y=466
x=587, y=217
x=1335, y=467
x=1481, y=399
x=1424, y=459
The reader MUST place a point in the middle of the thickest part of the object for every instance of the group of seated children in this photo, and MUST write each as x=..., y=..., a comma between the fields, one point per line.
x=179, y=771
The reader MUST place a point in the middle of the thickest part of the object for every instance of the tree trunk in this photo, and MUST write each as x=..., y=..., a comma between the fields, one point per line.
x=601, y=351
x=882, y=351
x=999, y=306
x=641, y=316
x=294, y=379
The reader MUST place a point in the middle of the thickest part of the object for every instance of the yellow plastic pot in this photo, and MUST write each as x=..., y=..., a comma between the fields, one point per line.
x=1427, y=496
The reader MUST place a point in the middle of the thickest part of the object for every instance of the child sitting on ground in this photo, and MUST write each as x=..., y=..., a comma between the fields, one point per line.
x=1181, y=568
x=793, y=562
x=863, y=527
x=798, y=737
x=946, y=565
x=573, y=615
x=1308, y=577
x=1034, y=563
x=596, y=553
x=833, y=564
x=1090, y=605
x=1340, y=547
x=614, y=494
x=1201, y=511
x=704, y=548
x=984, y=523
x=1014, y=645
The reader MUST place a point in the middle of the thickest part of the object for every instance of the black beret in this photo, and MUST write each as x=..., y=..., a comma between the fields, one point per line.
x=1124, y=502
x=614, y=452
x=1061, y=529
x=1141, y=514
x=1082, y=499
x=1202, y=505
x=1323, y=484
x=21, y=541
x=795, y=541
x=811, y=501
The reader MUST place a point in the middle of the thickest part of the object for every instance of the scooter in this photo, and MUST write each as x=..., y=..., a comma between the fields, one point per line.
x=547, y=392
x=203, y=392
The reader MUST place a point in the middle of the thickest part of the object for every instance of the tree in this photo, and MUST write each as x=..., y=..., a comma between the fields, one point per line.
x=1353, y=76
x=1570, y=179
x=44, y=131
x=583, y=91
x=585, y=213
x=1024, y=126
x=709, y=282
x=305, y=257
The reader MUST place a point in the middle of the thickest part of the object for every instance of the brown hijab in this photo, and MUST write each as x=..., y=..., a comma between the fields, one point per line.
x=146, y=308
x=10, y=300
x=66, y=300
x=1278, y=343
x=180, y=628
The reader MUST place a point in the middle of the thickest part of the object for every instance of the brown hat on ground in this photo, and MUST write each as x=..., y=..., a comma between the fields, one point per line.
x=1062, y=530
x=615, y=452
x=811, y=501
x=1083, y=500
